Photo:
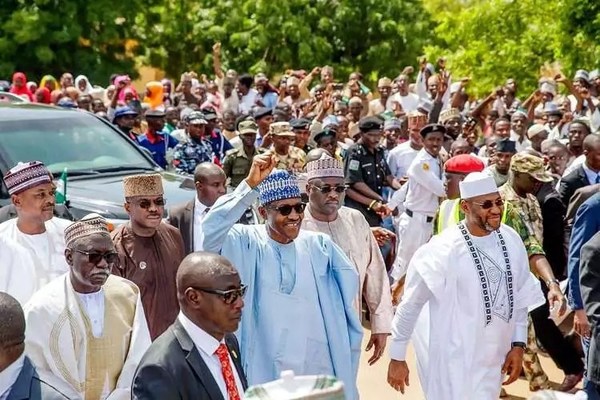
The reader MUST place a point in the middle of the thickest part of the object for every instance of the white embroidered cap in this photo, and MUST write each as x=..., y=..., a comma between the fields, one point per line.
x=477, y=184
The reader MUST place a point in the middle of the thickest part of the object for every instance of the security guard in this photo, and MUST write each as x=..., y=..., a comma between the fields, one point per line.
x=367, y=172
x=425, y=190
x=237, y=162
x=456, y=169
x=301, y=127
x=288, y=157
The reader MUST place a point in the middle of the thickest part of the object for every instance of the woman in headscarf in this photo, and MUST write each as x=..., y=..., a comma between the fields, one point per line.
x=19, y=86
x=83, y=84
x=49, y=82
x=167, y=90
x=32, y=86
x=42, y=95
x=154, y=95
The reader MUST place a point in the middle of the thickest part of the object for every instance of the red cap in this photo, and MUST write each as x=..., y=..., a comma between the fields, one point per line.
x=464, y=164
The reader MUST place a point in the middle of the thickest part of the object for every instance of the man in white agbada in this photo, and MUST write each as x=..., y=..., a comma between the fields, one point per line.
x=86, y=330
x=32, y=192
x=350, y=230
x=476, y=281
x=17, y=274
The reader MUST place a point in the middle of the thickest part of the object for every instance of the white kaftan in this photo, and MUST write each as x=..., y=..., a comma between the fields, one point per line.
x=17, y=272
x=475, y=313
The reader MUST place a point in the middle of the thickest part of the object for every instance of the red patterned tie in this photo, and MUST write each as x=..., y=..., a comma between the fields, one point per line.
x=223, y=354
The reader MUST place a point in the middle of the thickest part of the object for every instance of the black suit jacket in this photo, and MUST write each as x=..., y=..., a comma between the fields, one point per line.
x=173, y=369
x=589, y=278
x=553, y=218
x=570, y=183
x=28, y=386
x=181, y=217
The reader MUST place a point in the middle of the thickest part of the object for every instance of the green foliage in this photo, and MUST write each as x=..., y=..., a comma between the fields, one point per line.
x=492, y=40
x=372, y=36
x=52, y=36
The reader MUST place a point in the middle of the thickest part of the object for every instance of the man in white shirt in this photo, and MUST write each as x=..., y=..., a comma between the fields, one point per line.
x=17, y=274
x=36, y=229
x=18, y=378
x=86, y=330
x=477, y=273
x=198, y=356
x=407, y=100
x=518, y=133
x=247, y=93
x=425, y=189
x=209, y=180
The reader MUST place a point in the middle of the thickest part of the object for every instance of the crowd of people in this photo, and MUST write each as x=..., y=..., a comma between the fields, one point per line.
x=440, y=219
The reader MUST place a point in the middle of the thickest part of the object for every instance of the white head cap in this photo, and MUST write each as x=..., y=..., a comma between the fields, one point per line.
x=477, y=184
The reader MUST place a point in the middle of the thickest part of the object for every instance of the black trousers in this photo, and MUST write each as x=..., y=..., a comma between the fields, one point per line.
x=551, y=338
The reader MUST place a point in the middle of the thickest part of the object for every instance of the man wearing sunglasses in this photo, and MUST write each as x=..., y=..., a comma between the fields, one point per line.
x=349, y=229
x=86, y=330
x=150, y=250
x=300, y=311
x=198, y=357
x=477, y=273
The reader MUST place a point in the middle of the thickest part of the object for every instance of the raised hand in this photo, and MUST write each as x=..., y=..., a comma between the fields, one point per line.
x=262, y=165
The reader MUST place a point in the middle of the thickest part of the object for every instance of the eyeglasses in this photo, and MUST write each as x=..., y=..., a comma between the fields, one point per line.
x=95, y=258
x=228, y=296
x=147, y=203
x=327, y=188
x=286, y=209
x=486, y=205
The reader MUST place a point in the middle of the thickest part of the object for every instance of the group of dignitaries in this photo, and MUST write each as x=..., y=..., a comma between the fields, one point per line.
x=204, y=305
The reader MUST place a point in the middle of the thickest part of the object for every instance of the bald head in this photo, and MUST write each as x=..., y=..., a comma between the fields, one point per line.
x=591, y=142
x=12, y=330
x=202, y=269
x=206, y=170
x=315, y=154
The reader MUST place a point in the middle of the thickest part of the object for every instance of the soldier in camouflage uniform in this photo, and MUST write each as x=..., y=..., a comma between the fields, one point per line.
x=196, y=149
x=527, y=172
x=237, y=162
x=288, y=157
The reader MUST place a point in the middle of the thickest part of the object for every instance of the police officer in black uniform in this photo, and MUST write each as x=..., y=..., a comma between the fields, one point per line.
x=367, y=172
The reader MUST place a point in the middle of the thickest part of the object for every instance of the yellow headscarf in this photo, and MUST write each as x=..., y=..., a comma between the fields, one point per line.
x=154, y=94
x=51, y=80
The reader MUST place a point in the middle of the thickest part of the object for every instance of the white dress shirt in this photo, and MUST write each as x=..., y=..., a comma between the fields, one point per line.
x=248, y=101
x=409, y=103
x=207, y=346
x=425, y=184
x=200, y=211
x=93, y=303
x=9, y=376
x=592, y=176
x=400, y=158
x=520, y=144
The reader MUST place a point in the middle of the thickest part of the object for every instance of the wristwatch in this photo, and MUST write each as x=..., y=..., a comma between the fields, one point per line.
x=551, y=281
x=519, y=344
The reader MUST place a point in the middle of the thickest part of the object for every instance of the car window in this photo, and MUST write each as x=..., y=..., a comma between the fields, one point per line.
x=74, y=142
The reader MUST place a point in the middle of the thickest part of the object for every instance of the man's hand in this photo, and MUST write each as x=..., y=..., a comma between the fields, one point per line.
x=315, y=71
x=560, y=78
x=398, y=375
x=381, y=234
x=397, y=290
x=581, y=324
x=381, y=209
x=408, y=70
x=513, y=365
x=217, y=48
x=555, y=295
x=378, y=341
x=262, y=165
x=423, y=63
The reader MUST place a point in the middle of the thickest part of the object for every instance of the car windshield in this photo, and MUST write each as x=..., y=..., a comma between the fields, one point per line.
x=77, y=142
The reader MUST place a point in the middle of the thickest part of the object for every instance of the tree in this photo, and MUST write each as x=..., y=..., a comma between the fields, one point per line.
x=372, y=36
x=51, y=36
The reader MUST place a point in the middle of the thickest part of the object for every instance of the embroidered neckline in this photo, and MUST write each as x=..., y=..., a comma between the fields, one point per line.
x=483, y=280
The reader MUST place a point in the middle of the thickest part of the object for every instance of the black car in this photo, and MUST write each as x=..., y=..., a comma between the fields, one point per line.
x=96, y=154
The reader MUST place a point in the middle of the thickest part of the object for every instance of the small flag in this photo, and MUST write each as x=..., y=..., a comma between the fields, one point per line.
x=61, y=188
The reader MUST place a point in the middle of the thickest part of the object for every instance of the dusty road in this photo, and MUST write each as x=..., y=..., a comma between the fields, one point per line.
x=372, y=383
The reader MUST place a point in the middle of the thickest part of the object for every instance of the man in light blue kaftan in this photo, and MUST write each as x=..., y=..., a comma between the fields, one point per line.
x=300, y=308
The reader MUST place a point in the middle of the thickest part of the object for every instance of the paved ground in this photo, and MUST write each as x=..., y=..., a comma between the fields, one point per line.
x=372, y=380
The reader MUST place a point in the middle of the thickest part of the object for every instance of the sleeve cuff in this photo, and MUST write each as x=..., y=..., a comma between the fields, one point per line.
x=520, y=334
x=398, y=350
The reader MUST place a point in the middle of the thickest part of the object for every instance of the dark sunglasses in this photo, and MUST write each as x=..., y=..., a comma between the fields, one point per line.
x=286, y=209
x=486, y=205
x=147, y=203
x=95, y=258
x=228, y=296
x=327, y=188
